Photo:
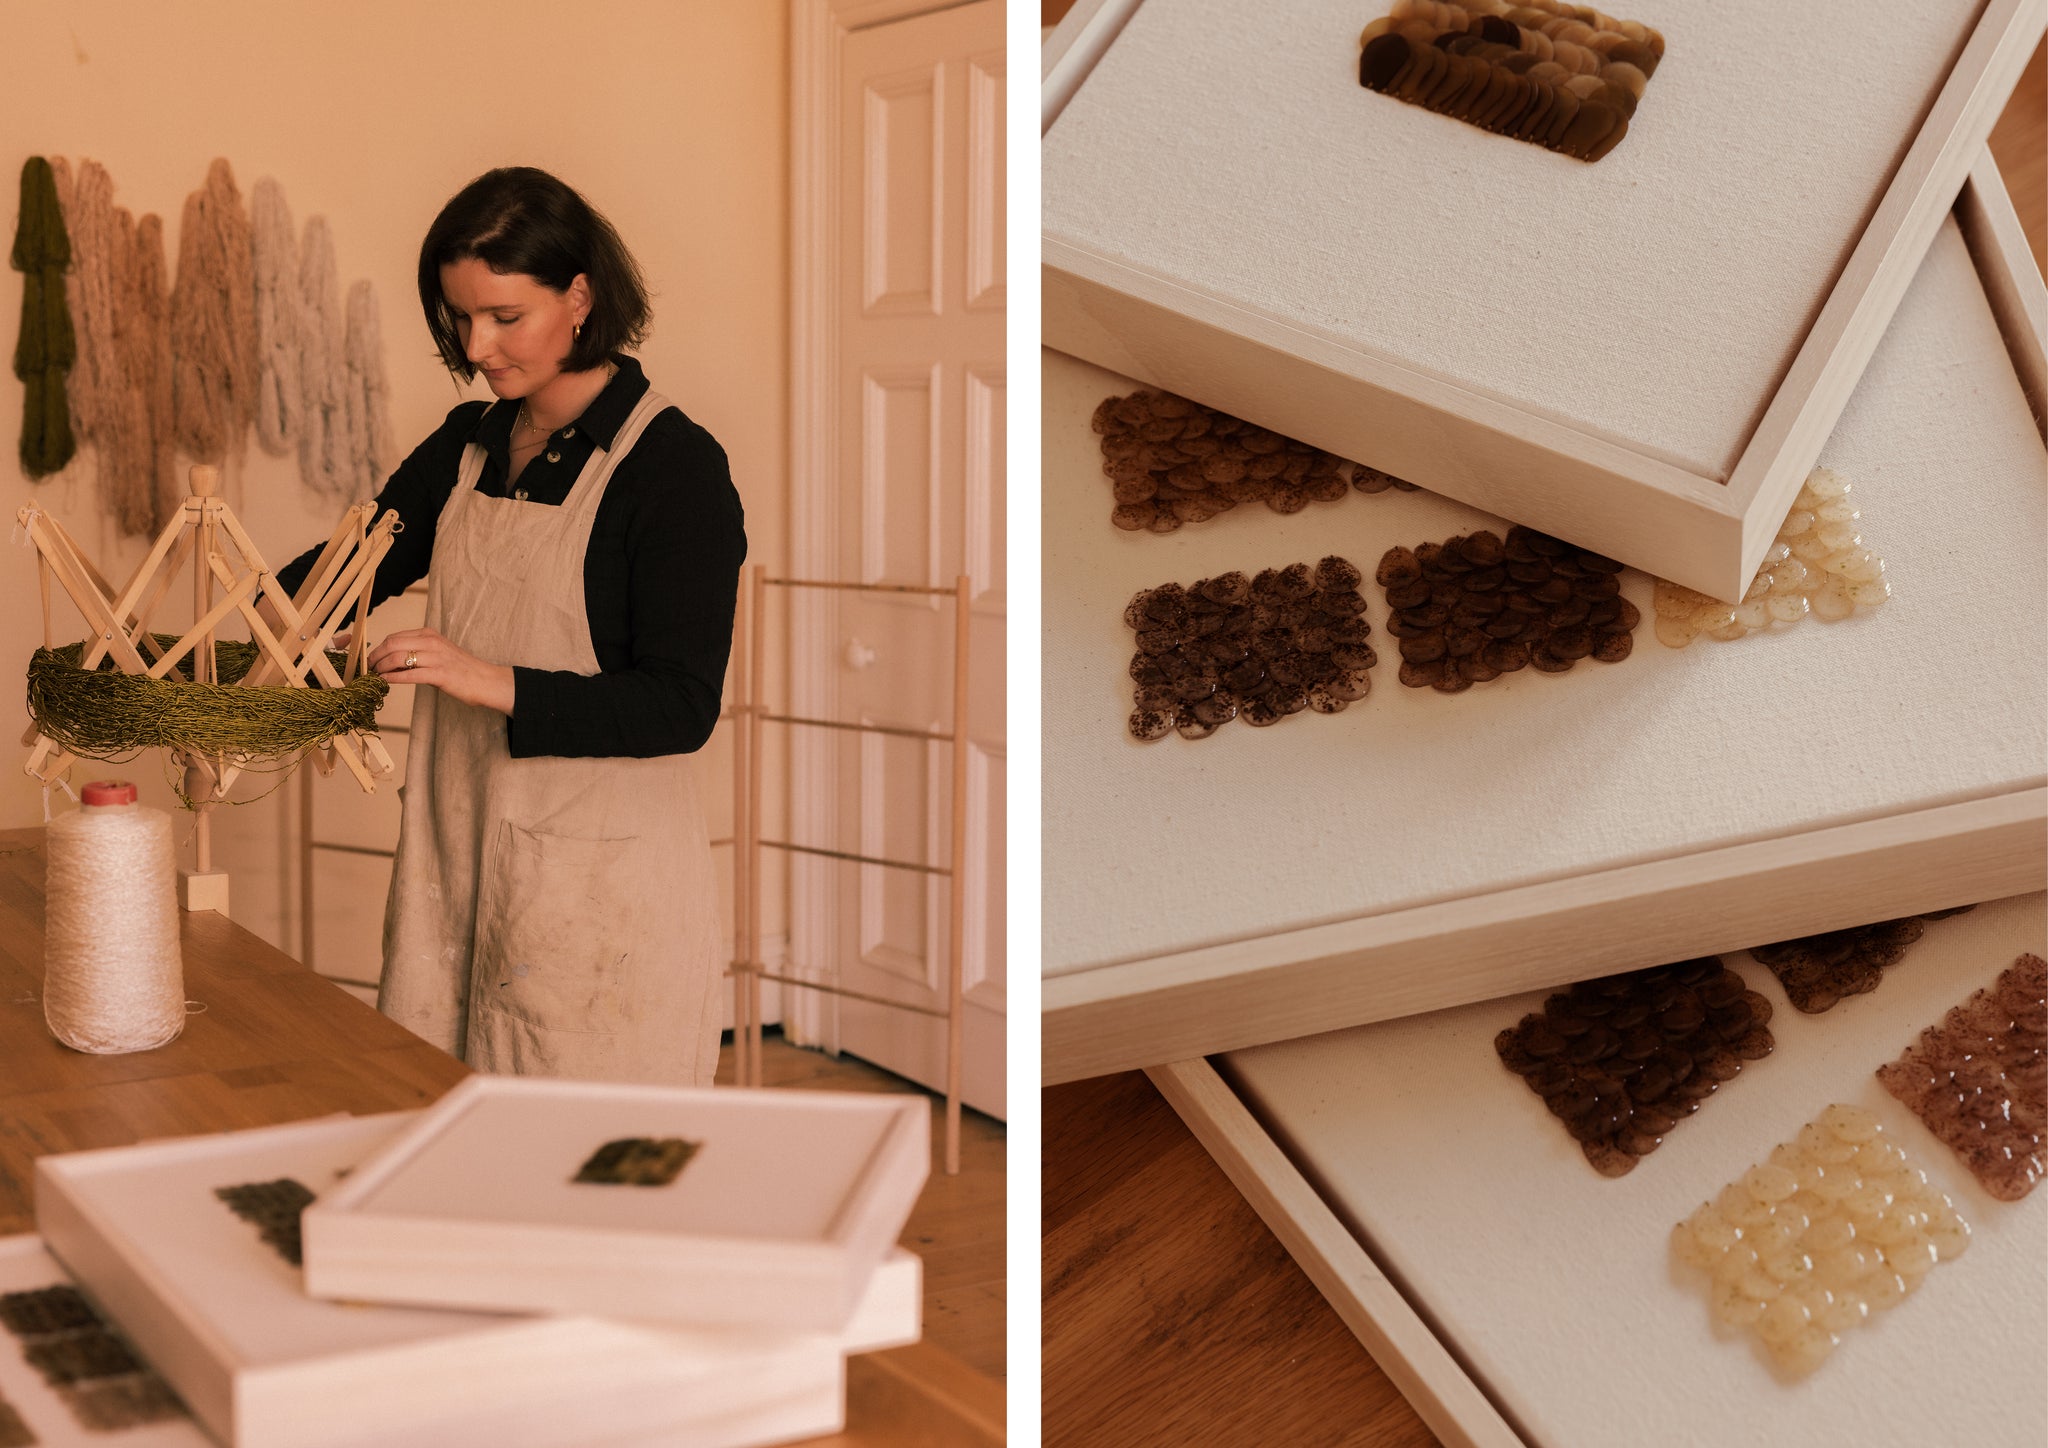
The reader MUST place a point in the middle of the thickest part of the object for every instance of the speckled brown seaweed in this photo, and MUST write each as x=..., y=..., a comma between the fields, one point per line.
x=1258, y=649
x=1979, y=1079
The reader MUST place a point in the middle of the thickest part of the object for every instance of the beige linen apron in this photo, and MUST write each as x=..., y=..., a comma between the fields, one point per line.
x=547, y=917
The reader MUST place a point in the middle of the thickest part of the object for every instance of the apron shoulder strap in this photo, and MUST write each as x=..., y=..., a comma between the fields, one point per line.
x=471, y=468
x=651, y=405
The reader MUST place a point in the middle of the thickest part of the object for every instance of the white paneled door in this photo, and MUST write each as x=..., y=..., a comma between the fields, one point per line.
x=916, y=364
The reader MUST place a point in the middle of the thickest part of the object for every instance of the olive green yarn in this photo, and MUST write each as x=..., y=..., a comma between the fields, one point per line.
x=46, y=346
x=105, y=713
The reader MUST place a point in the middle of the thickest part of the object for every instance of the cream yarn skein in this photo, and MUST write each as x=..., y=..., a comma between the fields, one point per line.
x=113, y=976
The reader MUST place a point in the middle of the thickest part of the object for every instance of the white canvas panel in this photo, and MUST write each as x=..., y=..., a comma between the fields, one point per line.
x=1556, y=1286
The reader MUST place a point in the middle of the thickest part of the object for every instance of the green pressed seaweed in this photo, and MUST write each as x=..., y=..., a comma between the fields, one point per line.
x=45, y=347
x=640, y=1161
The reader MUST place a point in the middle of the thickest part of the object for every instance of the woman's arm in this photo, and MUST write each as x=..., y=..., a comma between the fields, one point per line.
x=672, y=526
x=417, y=490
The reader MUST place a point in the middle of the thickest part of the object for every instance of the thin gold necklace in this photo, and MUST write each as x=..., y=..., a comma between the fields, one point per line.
x=525, y=417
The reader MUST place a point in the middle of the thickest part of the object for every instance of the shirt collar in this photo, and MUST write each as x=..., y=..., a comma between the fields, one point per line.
x=601, y=420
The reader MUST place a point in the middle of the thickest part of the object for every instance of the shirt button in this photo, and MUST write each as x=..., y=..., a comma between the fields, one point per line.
x=553, y=456
x=519, y=496
x=568, y=432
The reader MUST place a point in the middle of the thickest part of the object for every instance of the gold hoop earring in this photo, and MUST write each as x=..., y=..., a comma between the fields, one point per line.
x=575, y=332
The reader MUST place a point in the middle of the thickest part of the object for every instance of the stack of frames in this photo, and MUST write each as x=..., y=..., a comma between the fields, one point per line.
x=1566, y=77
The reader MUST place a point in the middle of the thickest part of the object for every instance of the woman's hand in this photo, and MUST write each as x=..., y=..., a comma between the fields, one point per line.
x=421, y=656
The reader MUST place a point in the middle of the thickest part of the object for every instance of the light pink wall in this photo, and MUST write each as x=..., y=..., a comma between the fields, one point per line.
x=669, y=115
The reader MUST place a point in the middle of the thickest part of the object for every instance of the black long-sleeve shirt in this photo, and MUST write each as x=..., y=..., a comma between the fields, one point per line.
x=660, y=575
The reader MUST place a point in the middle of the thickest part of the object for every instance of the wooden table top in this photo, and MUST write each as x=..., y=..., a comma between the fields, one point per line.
x=276, y=1043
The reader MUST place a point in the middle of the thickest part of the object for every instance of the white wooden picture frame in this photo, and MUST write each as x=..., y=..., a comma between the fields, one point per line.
x=259, y=1362
x=1146, y=963
x=1257, y=340
x=1362, y=1149
x=779, y=1221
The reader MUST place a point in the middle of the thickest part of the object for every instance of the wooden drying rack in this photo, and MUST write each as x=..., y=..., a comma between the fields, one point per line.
x=337, y=588
x=748, y=970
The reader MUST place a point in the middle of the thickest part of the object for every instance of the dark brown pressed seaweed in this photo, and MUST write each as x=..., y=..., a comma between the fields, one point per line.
x=1474, y=607
x=1621, y=1060
x=1560, y=76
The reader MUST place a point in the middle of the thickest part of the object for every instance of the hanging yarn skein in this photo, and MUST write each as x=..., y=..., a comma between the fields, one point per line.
x=145, y=333
x=113, y=976
x=109, y=406
x=88, y=204
x=280, y=395
x=45, y=348
x=367, y=405
x=133, y=445
x=213, y=322
x=323, y=365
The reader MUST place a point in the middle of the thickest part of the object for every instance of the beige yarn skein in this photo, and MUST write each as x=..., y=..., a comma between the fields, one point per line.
x=113, y=976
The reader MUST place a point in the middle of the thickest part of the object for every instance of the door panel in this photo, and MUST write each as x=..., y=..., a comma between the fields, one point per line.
x=921, y=392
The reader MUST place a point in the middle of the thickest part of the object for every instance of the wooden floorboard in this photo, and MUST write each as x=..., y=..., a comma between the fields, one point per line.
x=957, y=1226
x=1171, y=1314
x=2020, y=143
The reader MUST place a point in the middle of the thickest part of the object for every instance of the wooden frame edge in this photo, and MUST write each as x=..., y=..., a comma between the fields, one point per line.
x=1539, y=470
x=1404, y=1346
x=1070, y=52
x=1810, y=397
x=2012, y=283
x=1431, y=957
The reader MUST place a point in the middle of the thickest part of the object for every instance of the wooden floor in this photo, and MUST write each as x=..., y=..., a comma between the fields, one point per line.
x=1171, y=1315
x=957, y=1226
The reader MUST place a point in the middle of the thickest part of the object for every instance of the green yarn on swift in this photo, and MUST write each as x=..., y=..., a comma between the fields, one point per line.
x=46, y=346
x=105, y=713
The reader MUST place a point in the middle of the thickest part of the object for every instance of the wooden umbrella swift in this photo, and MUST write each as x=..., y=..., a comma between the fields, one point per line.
x=293, y=654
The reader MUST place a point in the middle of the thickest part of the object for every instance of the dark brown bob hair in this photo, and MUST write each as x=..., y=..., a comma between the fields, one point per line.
x=517, y=220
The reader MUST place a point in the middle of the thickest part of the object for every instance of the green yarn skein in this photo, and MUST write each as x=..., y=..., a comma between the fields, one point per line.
x=47, y=347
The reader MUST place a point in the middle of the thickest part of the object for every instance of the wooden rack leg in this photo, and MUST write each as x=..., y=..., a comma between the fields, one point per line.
x=757, y=677
x=306, y=868
x=957, y=884
x=741, y=857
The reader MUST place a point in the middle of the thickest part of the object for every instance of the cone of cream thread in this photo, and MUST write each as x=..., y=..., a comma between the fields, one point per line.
x=113, y=975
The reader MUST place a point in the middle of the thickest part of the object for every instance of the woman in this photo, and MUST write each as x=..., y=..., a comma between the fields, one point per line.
x=552, y=907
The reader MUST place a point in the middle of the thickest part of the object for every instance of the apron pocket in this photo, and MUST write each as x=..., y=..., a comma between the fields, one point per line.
x=552, y=938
